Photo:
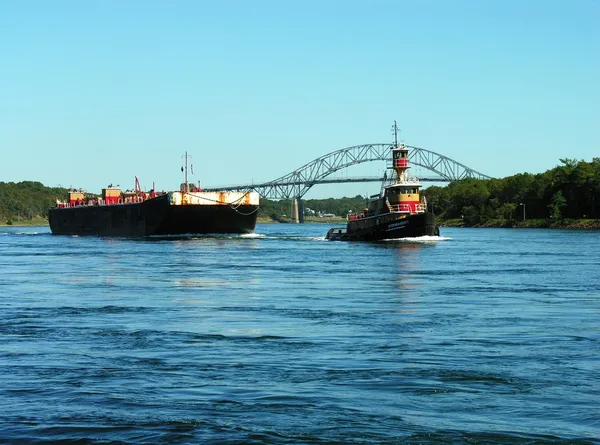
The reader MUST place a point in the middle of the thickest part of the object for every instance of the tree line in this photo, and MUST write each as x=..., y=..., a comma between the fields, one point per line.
x=27, y=200
x=570, y=190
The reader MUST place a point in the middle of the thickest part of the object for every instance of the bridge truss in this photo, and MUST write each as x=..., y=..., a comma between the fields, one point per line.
x=298, y=182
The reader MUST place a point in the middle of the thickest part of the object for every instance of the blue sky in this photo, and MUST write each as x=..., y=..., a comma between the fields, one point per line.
x=96, y=92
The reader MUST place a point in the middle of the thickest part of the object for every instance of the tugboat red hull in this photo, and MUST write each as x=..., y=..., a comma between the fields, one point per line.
x=387, y=226
x=157, y=216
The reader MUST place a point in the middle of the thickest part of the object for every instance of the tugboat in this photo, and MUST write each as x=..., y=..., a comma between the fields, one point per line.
x=397, y=211
x=138, y=213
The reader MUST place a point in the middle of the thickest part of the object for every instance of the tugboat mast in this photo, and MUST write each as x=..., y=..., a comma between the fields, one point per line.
x=399, y=158
x=185, y=175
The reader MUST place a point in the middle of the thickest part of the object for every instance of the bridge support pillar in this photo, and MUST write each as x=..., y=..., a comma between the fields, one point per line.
x=297, y=210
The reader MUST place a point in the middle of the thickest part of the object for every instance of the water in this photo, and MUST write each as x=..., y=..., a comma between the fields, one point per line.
x=484, y=336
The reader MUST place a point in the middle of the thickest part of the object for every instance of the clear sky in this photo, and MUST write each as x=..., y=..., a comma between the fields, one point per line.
x=96, y=92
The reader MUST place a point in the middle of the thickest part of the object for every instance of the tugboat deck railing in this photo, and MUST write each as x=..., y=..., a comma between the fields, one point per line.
x=409, y=209
x=102, y=202
x=408, y=180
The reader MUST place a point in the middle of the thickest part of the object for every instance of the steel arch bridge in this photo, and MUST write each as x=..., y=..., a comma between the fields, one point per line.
x=298, y=182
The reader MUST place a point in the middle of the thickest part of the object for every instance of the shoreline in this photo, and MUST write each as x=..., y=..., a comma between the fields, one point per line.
x=583, y=224
x=37, y=222
x=264, y=220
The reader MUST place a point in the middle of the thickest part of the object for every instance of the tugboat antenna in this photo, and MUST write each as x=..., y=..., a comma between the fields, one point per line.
x=395, y=134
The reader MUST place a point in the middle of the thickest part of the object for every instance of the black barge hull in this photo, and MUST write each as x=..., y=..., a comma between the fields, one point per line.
x=155, y=216
x=412, y=226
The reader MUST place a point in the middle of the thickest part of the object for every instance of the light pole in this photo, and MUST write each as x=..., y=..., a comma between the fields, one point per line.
x=522, y=204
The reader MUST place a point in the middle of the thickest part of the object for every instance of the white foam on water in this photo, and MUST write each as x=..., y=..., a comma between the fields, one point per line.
x=285, y=237
x=19, y=233
x=419, y=239
x=24, y=233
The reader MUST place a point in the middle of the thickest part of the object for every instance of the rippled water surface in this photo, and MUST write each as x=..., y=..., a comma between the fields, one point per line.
x=483, y=336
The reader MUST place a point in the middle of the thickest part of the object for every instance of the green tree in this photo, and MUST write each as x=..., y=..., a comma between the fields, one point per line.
x=556, y=206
